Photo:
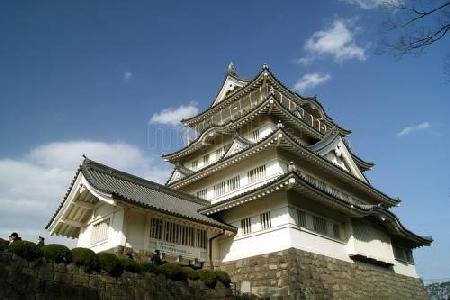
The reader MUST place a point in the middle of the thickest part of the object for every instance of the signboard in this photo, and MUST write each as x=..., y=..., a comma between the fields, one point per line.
x=177, y=250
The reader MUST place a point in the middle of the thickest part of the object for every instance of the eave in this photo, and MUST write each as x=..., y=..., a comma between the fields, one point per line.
x=126, y=200
x=280, y=138
x=297, y=180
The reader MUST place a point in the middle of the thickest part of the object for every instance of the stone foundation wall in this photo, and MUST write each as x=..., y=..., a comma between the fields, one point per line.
x=296, y=274
x=38, y=280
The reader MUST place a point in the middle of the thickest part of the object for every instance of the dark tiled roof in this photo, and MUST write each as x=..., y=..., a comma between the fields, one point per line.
x=143, y=193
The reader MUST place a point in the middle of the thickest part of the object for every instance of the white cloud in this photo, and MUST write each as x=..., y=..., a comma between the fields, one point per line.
x=411, y=129
x=127, y=75
x=173, y=116
x=371, y=4
x=32, y=186
x=310, y=80
x=337, y=41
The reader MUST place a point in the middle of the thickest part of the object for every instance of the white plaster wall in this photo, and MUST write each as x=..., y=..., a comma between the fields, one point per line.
x=268, y=241
x=405, y=269
x=101, y=212
x=136, y=229
x=259, y=241
x=371, y=241
x=311, y=242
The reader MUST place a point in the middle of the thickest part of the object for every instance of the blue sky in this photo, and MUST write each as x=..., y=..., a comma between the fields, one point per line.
x=104, y=77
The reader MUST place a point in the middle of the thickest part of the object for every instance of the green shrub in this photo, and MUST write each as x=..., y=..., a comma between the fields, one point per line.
x=150, y=268
x=28, y=250
x=190, y=273
x=111, y=264
x=223, y=277
x=173, y=271
x=208, y=277
x=130, y=265
x=57, y=253
x=86, y=258
x=3, y=245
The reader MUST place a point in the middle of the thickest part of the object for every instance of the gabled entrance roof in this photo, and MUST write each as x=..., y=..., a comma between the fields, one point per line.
x=120, y=186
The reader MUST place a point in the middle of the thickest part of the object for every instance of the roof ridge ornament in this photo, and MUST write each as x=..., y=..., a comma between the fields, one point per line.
x=231, y=70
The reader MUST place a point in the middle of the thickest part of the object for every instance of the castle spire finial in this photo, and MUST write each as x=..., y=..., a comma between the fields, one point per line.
x=231, y=69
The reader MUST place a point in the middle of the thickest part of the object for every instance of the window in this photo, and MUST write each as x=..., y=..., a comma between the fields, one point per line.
x=301, y=218
x=227, y=185
x=246, y=226
x=403, y=254
x=219, y=153
x=257, y=174
x=265, y=220
x=156, y=228
x=233, y=183
x=219, y=188
x=336, y=231
x=202, y=194
x=194, y=165
x=100, y=231
x=177, y=233
x=205, y=159
x=320, y=225
x=255, y=135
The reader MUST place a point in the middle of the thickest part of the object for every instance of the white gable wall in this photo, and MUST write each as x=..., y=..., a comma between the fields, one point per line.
x=104, y=211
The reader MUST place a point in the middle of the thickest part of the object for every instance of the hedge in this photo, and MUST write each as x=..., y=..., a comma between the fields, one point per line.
x=111, y=264
x=223, y=277
x=130, y=265
x=208, y=277
x=25, y=249
x=57, y=253
x=190, y=273
x=86, y=258
x=173, y=271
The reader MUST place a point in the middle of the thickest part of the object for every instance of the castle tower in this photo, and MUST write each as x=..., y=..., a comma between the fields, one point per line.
x=273, y=164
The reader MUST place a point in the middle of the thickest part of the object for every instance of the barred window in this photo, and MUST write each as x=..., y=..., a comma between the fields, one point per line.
x=301, y=218
x=205, y=159
x=156, y=228
x=219, y=153
x=246, y=226
x=100, y=231
x=256, y=174
x=265, y=220
x=255, y=135
x=202, y=194
x=336, y=231
x=320, y=225
x=219, y=188
x=403, y=254
x=233, y=183
x=177, y=233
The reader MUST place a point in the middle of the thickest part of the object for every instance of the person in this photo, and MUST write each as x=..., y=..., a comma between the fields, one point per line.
x=41, y=241
x=14, y=237
x=156, y=258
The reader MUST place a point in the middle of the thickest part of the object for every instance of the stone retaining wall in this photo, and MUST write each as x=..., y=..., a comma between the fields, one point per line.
x=296, y=274
x=20, y=279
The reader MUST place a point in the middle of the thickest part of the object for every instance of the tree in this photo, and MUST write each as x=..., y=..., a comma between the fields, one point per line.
x=413, y=26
